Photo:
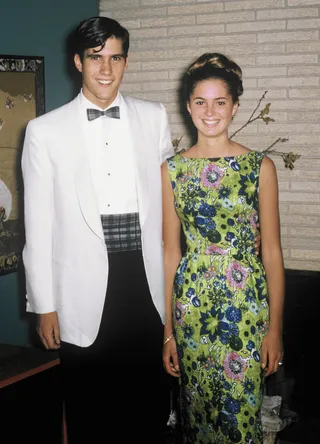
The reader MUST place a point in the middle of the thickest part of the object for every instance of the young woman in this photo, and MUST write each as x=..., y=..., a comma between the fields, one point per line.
x=224, y=305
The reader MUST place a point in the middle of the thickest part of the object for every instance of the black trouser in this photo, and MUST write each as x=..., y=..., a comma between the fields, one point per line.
x=117, y=386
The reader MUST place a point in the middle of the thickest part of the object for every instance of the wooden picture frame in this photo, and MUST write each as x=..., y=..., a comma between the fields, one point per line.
x=21, y=99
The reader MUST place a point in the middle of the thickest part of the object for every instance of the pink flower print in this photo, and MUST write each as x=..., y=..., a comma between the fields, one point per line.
x=213, y=249
x=234, y=366
x=179, y=313
x=210, y=272
x=236, y=275
x=211, y=176
x=254, y=219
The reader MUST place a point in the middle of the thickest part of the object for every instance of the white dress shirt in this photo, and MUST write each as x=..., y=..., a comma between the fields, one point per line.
x=110, y=154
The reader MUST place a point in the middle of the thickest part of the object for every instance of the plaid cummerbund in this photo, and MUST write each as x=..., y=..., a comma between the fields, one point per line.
x=122, y=232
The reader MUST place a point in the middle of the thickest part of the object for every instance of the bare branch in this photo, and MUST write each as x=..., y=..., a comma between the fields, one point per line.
x=243, y=126
x=279, y=139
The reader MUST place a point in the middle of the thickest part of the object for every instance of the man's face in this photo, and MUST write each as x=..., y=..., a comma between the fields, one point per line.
x=102, y=71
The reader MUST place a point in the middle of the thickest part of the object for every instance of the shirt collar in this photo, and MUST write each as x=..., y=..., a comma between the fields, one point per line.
x=85, y=103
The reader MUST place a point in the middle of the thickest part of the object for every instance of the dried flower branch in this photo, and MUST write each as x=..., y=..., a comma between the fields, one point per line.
x=176, y=143
x=261, y=115
x=288, y=158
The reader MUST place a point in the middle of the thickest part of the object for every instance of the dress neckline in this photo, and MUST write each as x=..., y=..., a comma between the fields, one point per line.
x=217, y=158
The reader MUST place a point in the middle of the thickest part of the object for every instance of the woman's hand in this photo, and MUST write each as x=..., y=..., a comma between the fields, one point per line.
x=271, y=352
x=170, y=357
x=257, y=241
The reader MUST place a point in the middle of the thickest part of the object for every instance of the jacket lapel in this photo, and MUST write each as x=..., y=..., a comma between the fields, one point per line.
x=84, y=185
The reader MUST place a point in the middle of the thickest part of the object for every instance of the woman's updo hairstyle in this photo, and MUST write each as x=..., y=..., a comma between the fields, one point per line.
x=213, y=65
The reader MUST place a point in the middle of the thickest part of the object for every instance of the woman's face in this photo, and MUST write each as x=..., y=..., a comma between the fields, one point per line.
x=211, y=107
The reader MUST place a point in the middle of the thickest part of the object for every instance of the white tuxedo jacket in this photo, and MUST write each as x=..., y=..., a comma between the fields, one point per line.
x=65, y=256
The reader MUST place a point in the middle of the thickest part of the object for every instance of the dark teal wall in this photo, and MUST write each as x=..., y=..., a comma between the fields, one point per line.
x=36, y=28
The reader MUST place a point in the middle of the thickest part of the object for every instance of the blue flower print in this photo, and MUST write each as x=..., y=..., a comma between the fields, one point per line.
x=227, y=204
x=232, y=405
x=195, y=301
x=192, y=344
x=183, y=266
x=200, y=220
x=248, y=187
x=229, y=236
x=248, y=386
x=190, y=236
x=188, y=331
x=206, y=210
x=179, y=279
x=172, y=165
x=224, y=192
x=234, y=330
x=250, y=295
x=256, y=356
x=210, y=224
x=190, y=292
x=253, y=307
x=233, y=422
x=262, y=289
x=233, y=314
x=224, y=337
x=252, y=399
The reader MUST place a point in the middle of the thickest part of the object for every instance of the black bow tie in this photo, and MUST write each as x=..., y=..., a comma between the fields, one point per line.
x=93, y=113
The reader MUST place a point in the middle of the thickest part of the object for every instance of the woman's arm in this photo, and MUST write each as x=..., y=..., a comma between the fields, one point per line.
x=273, y=263
x=172, y=257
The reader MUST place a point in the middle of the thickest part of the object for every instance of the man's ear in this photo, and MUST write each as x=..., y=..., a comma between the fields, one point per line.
x=77, y=62
x=126, y=64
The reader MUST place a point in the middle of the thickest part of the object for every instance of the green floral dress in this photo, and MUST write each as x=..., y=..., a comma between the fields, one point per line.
x=220, y=301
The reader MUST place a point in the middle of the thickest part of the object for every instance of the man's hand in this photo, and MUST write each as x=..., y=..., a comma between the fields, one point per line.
x=48, y=330
x=257, y=242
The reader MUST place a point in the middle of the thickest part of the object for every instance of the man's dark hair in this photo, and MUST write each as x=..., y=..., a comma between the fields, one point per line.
x=94, y=32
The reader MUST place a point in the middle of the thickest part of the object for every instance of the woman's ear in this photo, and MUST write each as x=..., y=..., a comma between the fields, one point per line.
x=235, y=108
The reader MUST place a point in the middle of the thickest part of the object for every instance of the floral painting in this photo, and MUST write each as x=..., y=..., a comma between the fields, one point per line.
x=21, y=99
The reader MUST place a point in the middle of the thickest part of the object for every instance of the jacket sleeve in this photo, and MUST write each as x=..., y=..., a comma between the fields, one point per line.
x=166, y=147
x=38, y=218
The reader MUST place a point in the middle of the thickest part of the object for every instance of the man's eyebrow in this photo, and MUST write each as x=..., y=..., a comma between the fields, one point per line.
x=93, y=54
x=118, y=55
x=98, y=54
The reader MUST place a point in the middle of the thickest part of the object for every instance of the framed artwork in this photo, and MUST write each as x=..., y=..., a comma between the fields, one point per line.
x=21, y=99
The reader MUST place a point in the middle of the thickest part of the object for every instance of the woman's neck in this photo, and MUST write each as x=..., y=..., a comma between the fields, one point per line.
x=215, y=147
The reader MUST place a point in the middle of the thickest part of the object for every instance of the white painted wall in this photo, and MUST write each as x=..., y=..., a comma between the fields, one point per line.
x=277, y=44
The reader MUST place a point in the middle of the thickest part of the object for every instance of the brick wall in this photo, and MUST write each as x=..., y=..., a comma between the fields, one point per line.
x=277, y=44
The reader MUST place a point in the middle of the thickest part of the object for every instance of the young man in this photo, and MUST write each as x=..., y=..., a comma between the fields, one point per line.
x=93, y=254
